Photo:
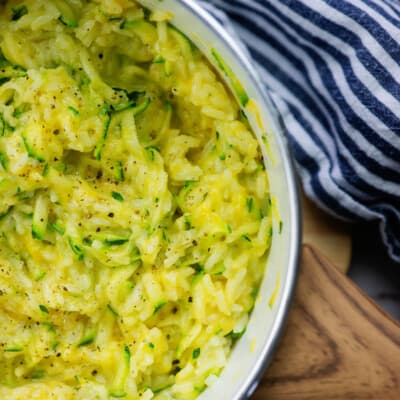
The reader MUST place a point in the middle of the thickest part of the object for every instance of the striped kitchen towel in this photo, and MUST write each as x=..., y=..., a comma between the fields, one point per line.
x=333, y=70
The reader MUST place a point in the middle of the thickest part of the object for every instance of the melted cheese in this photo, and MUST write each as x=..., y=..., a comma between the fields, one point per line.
x=134, y=206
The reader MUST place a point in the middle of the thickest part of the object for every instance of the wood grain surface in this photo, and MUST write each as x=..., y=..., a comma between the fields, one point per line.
x=330, y=236
x=338, y=345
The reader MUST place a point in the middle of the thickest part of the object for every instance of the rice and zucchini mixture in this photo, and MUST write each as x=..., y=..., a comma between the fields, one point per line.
x=134, y=206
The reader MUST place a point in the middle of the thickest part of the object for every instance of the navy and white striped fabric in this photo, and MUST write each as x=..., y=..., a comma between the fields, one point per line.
x=333, y=69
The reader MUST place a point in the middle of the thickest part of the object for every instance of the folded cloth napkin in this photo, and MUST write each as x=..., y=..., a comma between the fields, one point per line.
x=332, y=68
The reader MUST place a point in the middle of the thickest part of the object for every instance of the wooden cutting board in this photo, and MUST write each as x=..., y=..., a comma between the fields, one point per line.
x=338, y=344
x=326, y=234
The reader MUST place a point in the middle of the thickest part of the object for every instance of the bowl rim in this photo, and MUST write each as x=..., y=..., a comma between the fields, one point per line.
x=293, y=267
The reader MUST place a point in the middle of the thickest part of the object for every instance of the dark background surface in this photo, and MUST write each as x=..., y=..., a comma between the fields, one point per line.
x=373, y=270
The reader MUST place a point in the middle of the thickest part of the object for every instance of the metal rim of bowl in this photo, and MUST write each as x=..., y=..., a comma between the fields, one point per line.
x=288, y=287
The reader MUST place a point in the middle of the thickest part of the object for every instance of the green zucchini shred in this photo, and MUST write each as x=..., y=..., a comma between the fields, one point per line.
x=236, y=84
x=31, y=152
x=200, y=272
x=23, y=108
x=49, y=326
x=76, y=249
x=141, y=107
x=115, y=241
x=18, y=12
x=117, y=196
x=109, y=306
x=40, y=276
x=107, y=121
x=159, y=306
x=46, y=170
x=43, y=308
x=119, y=171
x=151, y=151
x=74, y=111
x=246, y=238
x=2, y=126
x=56, y=227
x=38, y=374
x=88, y=338
x=143, y=29
x=6, y=213
x=118, y=395
x=122, y=375
x=236, y=335
x=3, y=160
x=158, y=60
x=67, y=16
x=250, y=204
x=160, y=389
x=13, y=349
x=196, y=353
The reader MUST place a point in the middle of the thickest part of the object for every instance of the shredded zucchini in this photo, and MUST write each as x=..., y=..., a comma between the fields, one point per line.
x=135, y=219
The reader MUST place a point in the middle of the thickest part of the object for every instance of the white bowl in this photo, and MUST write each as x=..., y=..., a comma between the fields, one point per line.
x=253, y=352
